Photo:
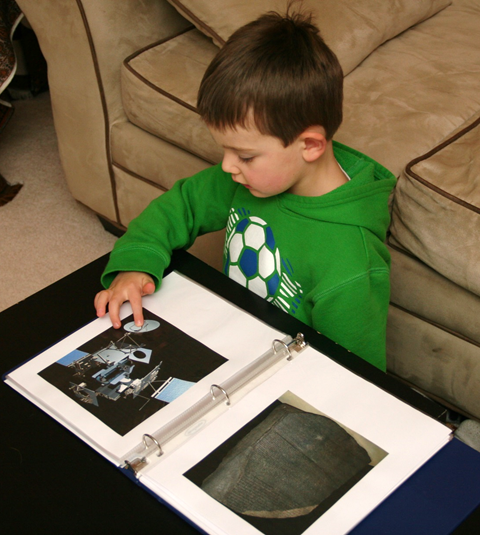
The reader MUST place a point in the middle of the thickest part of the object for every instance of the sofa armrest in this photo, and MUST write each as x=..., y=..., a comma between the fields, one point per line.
x=84, y=43
x=84, y=40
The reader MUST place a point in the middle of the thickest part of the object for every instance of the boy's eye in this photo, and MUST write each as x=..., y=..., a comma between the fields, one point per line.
x=246, y=160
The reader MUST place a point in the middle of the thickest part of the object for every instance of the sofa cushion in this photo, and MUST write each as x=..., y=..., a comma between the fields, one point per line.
x=352, y=29
x=414, y=90
x=404, y=99
x=436, y=209
x=434, y=360
x=159, y=92
x=423, y=292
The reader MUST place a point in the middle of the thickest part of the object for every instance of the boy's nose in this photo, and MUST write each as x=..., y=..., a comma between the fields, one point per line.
x=228, y=164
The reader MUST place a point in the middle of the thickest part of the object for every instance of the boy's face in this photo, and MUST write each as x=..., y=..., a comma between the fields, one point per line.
x=261, y=163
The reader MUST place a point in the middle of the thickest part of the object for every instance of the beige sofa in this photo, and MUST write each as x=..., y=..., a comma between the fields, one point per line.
x=123, y=78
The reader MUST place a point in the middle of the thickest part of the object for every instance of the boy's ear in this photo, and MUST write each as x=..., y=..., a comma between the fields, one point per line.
x=314, y=143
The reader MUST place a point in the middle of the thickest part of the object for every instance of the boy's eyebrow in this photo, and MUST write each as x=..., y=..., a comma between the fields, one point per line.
x=239, y=149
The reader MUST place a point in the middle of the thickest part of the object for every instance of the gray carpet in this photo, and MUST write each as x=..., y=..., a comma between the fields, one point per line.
x=44, y=233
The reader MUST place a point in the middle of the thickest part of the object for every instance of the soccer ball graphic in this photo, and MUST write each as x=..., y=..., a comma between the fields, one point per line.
x=252, y=257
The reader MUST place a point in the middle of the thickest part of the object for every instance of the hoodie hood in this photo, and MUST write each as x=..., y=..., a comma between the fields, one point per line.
x=361, y=202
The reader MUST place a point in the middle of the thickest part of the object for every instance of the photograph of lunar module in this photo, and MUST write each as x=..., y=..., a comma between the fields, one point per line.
x=123, y=376
x=112, y=368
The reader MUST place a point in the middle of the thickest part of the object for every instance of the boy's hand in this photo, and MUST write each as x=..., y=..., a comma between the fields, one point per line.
x=127, y=286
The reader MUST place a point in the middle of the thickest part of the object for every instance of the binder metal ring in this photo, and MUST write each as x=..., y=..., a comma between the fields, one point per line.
x=285, y=347
x=227, y=398
x=155, y=441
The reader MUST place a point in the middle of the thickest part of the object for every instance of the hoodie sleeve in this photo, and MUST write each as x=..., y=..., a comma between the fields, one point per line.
x=354, y=315
x=194, y=206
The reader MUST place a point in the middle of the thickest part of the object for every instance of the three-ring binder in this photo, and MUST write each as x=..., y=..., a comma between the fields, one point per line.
x=285, y=346
x=154, y=443
x=212, y=392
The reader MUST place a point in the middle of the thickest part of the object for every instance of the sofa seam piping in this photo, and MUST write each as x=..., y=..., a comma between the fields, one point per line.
x=104, y=107
x=158, y=90
x=435, y=150
x=161, y=91
x=406, y=253
x=157, y=43
x=437, y=325
x=198, y=22
x=139, y=177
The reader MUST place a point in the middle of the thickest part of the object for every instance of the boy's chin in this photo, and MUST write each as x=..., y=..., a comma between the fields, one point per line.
x=260, y=194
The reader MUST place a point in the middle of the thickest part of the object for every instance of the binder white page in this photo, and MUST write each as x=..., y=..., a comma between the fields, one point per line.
x=394, y=438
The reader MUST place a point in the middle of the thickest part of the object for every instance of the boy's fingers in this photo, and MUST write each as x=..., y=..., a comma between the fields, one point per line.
x=101, y=300
x=100, y=303
x=136, y=304
x=114, y=312
x=148, y=288
x=125, y=288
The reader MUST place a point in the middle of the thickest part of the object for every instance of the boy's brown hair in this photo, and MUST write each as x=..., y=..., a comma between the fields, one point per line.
x=279, y=69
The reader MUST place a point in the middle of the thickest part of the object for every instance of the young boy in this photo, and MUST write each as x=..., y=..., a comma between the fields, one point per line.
x=313, y=211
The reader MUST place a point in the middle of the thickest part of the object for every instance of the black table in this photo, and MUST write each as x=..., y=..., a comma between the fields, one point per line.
x=51, y=482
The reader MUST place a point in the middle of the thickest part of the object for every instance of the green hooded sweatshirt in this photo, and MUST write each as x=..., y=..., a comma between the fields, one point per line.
x=321, y=259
